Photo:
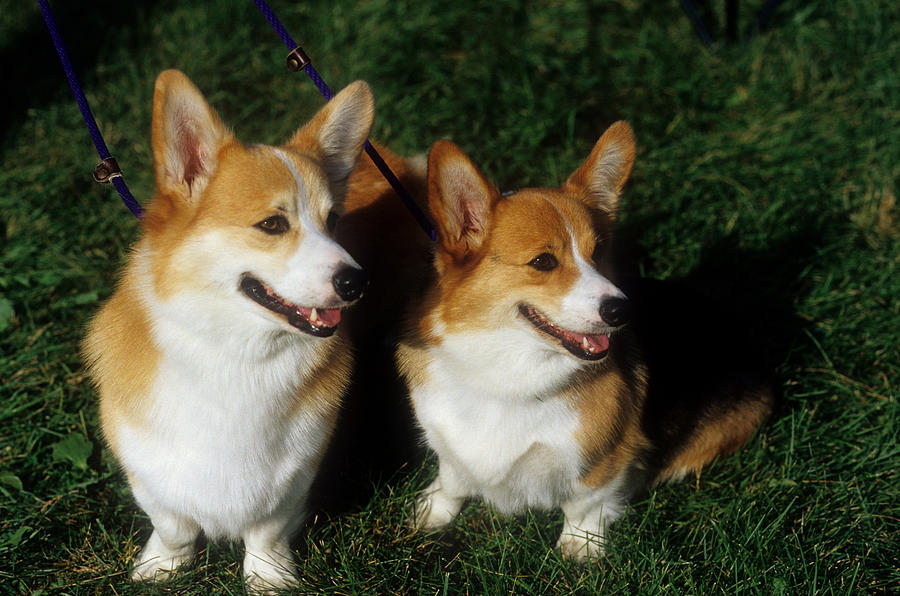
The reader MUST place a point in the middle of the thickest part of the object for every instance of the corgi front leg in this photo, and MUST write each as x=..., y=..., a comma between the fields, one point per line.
x=172, y=544
x=440, y=502
x=268, y=559
x=589, y=513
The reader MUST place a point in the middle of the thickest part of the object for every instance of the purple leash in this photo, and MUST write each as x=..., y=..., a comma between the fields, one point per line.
x=107, y=171
x=297, y=59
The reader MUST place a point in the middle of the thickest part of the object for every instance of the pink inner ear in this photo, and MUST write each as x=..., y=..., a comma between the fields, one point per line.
x=193, y=159
x=190, y=152
x=468, y=206
x=470, y=220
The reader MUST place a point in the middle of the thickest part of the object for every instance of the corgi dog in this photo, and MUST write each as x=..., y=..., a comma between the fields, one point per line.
x=524, y=369
x=219, y=360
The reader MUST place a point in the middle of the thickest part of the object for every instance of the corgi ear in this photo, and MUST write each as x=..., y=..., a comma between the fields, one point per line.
x=186, y=136
x=338, y=131
x=461, y=200
x=601, y=177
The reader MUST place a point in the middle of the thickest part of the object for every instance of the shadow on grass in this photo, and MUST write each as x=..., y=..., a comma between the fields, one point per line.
x=730, y=324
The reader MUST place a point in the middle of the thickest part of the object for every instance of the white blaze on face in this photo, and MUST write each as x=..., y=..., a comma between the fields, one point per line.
x=580, y=307
x=311, y=267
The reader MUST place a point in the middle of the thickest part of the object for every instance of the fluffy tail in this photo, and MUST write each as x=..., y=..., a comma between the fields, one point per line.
x=719, y=432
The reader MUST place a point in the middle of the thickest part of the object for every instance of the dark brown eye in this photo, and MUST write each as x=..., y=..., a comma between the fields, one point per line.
x=544, y=262
x=331, y=220
x=277, y=224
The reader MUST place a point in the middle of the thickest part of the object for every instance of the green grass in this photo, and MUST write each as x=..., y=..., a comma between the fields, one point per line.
x=767, y=173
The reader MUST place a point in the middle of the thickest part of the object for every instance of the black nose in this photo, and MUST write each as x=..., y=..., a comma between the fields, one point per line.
x=615, y=311
x=349, y=283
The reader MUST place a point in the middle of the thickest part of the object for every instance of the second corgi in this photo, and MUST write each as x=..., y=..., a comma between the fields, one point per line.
x=525, y=376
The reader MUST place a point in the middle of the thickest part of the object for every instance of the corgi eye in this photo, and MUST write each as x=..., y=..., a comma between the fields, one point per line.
x=544, y=262
x=331, y=220
x=277, y=224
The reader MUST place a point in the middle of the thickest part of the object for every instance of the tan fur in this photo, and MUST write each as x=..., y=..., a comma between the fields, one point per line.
x=324, y=386
x=610, y=433
x=601, y=177
x=122, y=357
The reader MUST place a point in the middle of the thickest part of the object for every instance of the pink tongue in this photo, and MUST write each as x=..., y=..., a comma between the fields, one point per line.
x=600, y=343
x=327, y=317
x=596, y=343
x=331, y=316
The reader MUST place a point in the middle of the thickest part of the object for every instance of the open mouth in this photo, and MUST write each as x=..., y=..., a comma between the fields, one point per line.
x=321, y=322
x=584, y=346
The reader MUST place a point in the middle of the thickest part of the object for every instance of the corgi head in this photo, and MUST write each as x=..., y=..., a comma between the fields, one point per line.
x=245, y=231
x=534, y=260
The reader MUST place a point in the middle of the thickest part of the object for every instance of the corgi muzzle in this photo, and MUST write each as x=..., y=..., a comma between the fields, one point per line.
x=615, y=312
x=349, y=283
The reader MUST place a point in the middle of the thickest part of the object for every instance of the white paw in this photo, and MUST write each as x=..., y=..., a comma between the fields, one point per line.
x=434, y=508
x=433, y=511
x=158, y=564
x=581, y=547
x=265, y=574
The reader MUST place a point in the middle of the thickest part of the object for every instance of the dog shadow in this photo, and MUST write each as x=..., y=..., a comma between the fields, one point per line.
x=727, y=327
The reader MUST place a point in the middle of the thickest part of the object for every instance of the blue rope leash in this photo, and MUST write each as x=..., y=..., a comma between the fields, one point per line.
x=297, y=60
x=107, y=170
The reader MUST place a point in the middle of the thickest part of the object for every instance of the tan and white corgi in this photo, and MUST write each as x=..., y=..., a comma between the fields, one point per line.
x=524, y=374
x=219, y=361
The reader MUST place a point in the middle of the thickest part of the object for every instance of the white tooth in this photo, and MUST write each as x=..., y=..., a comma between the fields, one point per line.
x=585, y=343
x=313, y=316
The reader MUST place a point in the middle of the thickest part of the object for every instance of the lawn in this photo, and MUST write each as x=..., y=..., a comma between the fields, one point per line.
x=766, y=176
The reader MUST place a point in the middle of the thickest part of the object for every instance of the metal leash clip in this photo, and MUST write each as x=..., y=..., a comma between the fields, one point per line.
x=106, y=170
x=297, y=59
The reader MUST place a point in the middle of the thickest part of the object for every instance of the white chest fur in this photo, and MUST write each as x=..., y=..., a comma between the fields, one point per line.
x=220, y=439
x=510, y=363
x=509, y=446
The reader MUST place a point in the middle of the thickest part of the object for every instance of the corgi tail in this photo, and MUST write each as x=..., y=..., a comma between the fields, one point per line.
x=718, y=433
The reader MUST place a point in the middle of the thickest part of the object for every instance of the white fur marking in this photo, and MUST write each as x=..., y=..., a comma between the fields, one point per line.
x=302, y=193
x=318, y=255
x=580, y=308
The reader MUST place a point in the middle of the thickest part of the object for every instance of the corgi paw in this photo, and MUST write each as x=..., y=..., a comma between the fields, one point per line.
x=268, y=575
x=434, y=508
x=426, y=517
x=155, y=565
x=581, y=548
